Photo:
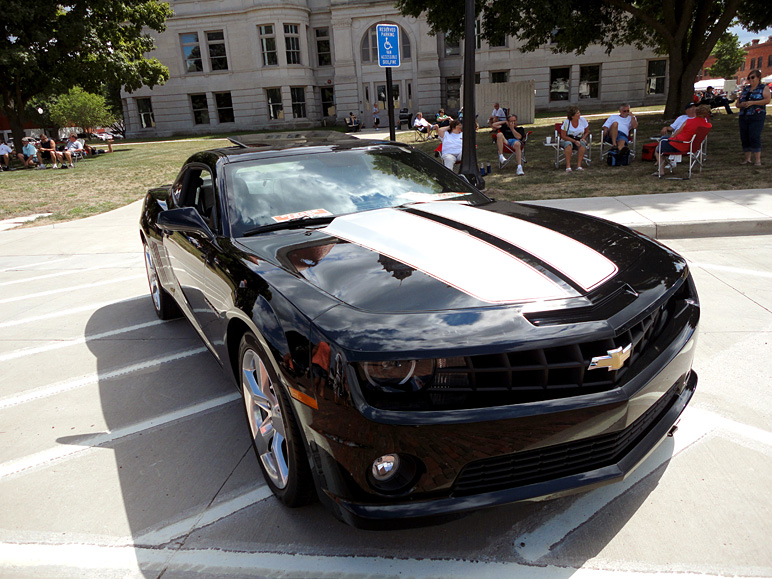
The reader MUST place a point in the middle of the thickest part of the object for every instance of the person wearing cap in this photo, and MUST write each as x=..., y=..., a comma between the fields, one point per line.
x=691, y=111
x=29, y=154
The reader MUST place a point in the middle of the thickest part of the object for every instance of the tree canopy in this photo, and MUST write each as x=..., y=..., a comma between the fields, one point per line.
x=729, y=56
x=684, y=30
x=48, y=48
x=79, y=108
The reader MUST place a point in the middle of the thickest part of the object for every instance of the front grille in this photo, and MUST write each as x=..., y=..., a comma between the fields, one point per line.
x=560, y=460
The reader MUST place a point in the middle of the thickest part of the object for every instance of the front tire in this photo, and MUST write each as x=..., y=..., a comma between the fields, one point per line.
x=275, y=434
x=165, y=306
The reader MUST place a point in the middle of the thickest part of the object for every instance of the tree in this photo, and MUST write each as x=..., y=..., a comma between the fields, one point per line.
x=684, y=30
x=48, y=48
x=729, y=56
x=79, y=108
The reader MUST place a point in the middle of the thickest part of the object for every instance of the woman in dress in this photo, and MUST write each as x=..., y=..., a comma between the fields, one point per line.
x=753, y=109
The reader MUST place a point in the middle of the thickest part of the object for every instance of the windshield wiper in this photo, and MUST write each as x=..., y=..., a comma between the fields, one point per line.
x=296, y=223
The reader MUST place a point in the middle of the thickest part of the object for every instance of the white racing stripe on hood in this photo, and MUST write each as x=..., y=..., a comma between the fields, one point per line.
x=456, y=258
x=582, y=264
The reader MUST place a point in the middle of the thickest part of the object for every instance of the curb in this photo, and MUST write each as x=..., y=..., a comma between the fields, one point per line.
x=724, y=228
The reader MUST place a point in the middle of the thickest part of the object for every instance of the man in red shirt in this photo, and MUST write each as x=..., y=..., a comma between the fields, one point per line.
x=678, y=143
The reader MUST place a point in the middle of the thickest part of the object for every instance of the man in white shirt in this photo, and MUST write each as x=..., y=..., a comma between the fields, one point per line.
x=617, y=128
x=497, y=115
x=5, y=153
x=421, y=125
x=73, y=145
x=691, y=111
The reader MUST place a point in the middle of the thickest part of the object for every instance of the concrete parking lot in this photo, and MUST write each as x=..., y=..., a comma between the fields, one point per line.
x=125, y=453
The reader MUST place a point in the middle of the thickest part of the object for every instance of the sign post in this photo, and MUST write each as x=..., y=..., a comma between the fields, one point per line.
x=388, y=58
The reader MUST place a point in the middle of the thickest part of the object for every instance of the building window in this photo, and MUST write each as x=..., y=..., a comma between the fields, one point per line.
x=769, y=60
x=370, y=46
x=218, y=59
x=742, y=66
x=275, y=110
x=191, y=52
x=560, y=83
x=498, y=41
x=655, y=79
x=477, y=78
x=224, y=107
x=323, y=50
x=298, y=102
x=499, y=76
x=477, y=34
x=328, y=101
x=589, y=82
x=145, y=108
x=268, y=45
x=292, y=43
x=753, y=63
x=452, y=47
x=200, y=109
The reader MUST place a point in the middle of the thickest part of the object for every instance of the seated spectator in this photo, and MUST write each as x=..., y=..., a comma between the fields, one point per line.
x=28, y=156
x=421, y=125
x=678, y=143
x=713, y=100
x=443, y=120
x=510, y=133
x=46, y=151
x=73, y=145
x=5, y=154
x=574, y=133
x=452, y=141
x=617, y=128
x=461, y=118
x=691, y=110
x=352, y=123
x=497, y=115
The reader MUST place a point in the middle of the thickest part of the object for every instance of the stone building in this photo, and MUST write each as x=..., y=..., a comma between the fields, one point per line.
x=240, y=65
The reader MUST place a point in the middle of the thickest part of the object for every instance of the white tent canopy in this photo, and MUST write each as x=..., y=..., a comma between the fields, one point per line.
x=767, y=79
x=719, y=83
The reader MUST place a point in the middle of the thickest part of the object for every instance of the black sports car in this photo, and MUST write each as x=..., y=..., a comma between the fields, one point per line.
x=408, y=347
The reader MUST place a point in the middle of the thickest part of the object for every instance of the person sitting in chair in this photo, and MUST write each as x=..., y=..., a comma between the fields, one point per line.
x=352, y=123
x=421, y=125
x=678, y=143
x=618, y=128
x=691, y=110
x=452, y=141
x=513, y=135
x=574, y=133
x=497, y=114
x=443, y=120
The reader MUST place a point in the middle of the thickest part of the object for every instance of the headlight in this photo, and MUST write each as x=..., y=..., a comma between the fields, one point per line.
x=398, y=375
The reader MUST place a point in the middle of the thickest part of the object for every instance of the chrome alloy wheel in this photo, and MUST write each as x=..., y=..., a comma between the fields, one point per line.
x=265, y=418
x=152, y=278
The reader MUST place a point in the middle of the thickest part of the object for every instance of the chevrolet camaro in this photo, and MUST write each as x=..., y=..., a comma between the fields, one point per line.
x=408, y=348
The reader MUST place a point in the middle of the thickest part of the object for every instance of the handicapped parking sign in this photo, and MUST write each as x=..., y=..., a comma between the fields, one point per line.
x=388, y=44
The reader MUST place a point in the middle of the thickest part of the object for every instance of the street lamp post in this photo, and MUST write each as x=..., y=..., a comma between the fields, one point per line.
x=469, y=151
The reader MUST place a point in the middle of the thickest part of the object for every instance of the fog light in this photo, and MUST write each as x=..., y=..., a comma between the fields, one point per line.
x=385, y=467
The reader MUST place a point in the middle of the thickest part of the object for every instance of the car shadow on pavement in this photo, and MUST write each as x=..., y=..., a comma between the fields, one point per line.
x=190, y=481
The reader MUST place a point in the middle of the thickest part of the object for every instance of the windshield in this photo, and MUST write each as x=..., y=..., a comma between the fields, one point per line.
x=330, y=183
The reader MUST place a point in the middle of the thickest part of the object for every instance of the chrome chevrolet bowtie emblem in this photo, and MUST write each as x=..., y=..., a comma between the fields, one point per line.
x=614, y=360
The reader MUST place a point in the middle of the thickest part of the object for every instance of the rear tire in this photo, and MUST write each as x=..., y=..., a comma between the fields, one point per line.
x=275, y=433
x=165, y=306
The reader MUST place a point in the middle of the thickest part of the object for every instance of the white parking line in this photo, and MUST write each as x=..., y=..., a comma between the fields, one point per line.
x=25, y=266
x=83, y=559
x=70, y=289
x=695, y=424
x=56, y=454
x=61, y=313
x=58, y=388
x=76, y=271
x=730, y=269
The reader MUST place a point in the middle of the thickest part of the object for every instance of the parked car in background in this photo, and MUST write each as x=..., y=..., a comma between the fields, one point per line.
x=407, y=347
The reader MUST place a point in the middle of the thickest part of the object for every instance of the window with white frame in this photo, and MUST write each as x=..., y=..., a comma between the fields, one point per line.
x=298, y=95
x=292, y=43
x=560, y=85
x=218, y=58
x=370, y=46
x=145, y=109
x=477, y=35
x=275, y=109
x=655, y=77
x=191, y=52
x=200, y=107
x=268, y=45
x=323, y=49
x=589, y=82
x=224, y=104
x=452, y=46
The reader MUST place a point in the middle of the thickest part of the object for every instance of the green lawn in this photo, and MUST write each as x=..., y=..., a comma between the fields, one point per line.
x=113, y=180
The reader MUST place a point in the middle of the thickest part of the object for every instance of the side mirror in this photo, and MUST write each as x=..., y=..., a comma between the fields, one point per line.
x=184, y=220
